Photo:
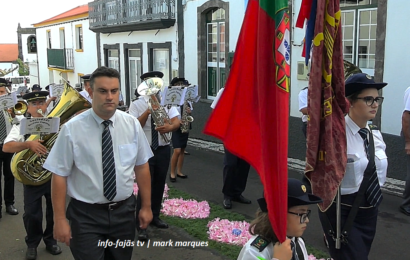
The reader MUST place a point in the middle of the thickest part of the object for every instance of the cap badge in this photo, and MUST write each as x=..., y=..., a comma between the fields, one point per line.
x=304, y=188
x=368, y=76
x=36, y=95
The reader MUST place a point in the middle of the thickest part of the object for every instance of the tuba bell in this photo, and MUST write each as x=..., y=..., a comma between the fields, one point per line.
x=27, y=166
x=151, y=88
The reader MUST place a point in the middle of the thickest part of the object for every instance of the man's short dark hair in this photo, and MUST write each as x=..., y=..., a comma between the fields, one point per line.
x=103, y=72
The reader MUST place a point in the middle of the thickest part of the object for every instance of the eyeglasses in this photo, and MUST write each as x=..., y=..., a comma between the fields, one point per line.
x=303, y=216
x=39, y=103
x=370, y=100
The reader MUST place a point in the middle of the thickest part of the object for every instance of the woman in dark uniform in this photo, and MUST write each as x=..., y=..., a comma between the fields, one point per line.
x=179, y=141
x=363, y=179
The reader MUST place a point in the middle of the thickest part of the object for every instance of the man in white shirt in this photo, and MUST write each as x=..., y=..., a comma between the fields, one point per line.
x=303, y=104
x=405, y=120
x=85, y=93
x=93, y=161
x=33, y=210
x=158, y=164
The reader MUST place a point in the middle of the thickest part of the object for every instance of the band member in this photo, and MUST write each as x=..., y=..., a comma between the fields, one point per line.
x=360, y=188
x=36, y=88
x=93, y=161
x=235, y=173
x=5, y=158
x=179, y=139
x=84, y=93
x=51, y=101
x=33, y=210
x=158, y=164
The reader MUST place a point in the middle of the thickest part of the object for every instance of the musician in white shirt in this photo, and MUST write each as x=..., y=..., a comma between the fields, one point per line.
x=158, y=164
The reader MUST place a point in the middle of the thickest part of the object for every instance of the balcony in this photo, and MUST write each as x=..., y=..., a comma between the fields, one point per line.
x=109, y=16
x=60, y=59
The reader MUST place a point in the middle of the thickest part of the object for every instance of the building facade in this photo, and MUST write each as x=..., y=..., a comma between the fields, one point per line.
x=66, y=48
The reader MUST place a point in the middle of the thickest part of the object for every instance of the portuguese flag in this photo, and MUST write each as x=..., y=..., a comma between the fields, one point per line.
x=252, y=115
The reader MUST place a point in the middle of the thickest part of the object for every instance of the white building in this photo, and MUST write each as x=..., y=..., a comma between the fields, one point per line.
x=66, y=48
x=27, y=48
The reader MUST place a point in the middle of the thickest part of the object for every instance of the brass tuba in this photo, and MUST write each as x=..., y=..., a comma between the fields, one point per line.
x=151, y=88
x=27, y=166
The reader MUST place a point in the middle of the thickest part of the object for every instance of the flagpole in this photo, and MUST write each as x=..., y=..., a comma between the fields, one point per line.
x=338, y=219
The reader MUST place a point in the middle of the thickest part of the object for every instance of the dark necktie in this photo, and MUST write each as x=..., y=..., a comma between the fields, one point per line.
x=373, y=193
x=108, y=163
x=294, y=254
x=154, y=135
x=3, y=128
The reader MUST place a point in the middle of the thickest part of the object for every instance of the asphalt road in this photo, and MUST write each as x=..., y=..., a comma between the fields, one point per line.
x=204, y=168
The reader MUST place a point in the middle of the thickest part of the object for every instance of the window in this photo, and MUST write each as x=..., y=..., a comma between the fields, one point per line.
x=359, y=23
x=62, y=38
x=113, y=59
x=79, y=37
x=215, y=52
x=159, y=58
x=48, y=33
x=135, y=68
x=31, y=44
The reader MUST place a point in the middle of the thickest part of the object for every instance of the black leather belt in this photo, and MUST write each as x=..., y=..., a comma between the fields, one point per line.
x=107, y=206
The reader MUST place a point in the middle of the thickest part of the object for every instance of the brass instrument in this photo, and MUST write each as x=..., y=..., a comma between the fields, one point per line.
x=186, y=118
x=20, y=108
x=350, y=69
x=151, y=88
x=27, y=166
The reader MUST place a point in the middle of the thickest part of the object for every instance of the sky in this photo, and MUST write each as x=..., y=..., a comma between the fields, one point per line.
x=28, y=12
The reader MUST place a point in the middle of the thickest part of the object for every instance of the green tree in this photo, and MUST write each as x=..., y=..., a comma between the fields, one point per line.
x=24, y=69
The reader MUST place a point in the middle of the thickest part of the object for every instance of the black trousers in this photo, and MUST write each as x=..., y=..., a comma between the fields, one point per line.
x=304, y=128
x=33, y=215
x=5, y=159
x=361, y=235
x=158, y=167
x=235, y=175
x=92, y=227
x=406, y=194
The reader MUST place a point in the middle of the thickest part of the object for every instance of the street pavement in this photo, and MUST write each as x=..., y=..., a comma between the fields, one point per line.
x=204, y=168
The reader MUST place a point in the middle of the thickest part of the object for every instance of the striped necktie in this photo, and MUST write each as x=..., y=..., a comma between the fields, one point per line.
x=293, y=248
x=109, y=177
x=3, y=128
x=373, y=193
x=154, y=135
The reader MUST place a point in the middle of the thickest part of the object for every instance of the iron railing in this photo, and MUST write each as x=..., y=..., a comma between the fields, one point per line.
x=60, y=58
x=118, y=12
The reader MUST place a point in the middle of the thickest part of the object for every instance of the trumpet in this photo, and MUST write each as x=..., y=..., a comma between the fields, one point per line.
x=20, y=108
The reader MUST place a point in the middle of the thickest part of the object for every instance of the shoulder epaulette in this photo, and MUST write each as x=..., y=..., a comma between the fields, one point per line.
x=305, y=88
x=260, y=243
x=373, y=127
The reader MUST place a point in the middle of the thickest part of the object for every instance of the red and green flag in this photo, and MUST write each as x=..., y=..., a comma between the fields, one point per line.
x=252, y=115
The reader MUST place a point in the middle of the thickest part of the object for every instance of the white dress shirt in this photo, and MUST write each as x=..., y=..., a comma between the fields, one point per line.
x=357, y=158
x=85, y=94
x=407, y=100
x=9, y=125
x=218, y=96
x=303, y=102
x=139, y=106
x=250, y=252
x=77, y=155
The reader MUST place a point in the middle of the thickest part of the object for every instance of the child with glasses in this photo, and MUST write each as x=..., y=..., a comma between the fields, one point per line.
x=264, y=243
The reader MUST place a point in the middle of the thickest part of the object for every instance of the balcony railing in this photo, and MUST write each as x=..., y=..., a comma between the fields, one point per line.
x=121, y=15
x=60, y=58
